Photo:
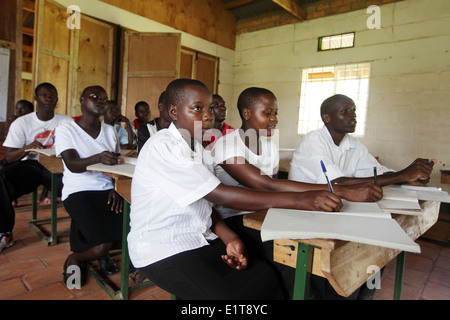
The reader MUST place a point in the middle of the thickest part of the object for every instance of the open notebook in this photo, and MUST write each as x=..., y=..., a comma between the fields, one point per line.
x=300, y=224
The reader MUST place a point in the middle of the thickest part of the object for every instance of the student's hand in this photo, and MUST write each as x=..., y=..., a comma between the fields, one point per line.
x=116, y=201
x=109, y=158
x=34, y=145
x=320, y=201
x=418, y=171
x=236, y=256
x=361, y=192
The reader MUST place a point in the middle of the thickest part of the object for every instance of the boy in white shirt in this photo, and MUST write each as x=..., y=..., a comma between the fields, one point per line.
x=176, y=240
x=24, y=174
x=346, y=159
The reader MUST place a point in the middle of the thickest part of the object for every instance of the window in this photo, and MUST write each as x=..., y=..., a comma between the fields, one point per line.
x=345, y=40
x=318, y=84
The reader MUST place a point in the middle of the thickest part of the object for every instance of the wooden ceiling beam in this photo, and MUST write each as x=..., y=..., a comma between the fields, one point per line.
x=292, y=6
x=28, y=5
x=237, y=3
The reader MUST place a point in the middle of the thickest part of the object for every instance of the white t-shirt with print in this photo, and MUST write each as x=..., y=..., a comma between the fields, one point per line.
x=72, y=136
x=28, y=128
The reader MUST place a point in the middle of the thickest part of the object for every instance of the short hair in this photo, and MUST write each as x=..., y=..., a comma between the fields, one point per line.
x=330, y=102
x=42, y=85
x=27, y=104
x=250, y=96
x=162, y=98
x=89, y=88
x=176, y=89
x=143, y=103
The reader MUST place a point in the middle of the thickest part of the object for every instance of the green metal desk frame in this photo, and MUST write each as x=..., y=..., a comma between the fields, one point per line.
x=304, y=268
x=123, y=292
x=35, y=224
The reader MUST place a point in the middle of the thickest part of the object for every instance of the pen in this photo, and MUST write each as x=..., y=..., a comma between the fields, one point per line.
x=375, y=178
x=325, y=173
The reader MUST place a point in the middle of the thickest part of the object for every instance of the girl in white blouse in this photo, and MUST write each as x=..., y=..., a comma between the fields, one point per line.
x=89, y=196
x=176, y=239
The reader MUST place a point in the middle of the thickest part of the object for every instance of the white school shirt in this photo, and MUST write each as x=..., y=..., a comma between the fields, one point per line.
x=168, y=212
x=28, y=128
x=72, y=136
x=350, y=159
x=231, y=145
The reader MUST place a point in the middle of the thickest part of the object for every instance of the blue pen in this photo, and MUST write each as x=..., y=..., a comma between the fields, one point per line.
x=325, y=173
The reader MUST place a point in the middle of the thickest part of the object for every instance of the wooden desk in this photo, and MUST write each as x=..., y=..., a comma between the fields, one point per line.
x=48, y=159
x=122, y=175
x=344, y=263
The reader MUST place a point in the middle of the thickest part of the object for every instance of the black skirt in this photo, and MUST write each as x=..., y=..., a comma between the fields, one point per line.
x=93, y=222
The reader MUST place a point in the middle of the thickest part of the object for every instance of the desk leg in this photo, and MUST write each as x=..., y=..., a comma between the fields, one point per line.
x=125, y=261
x=399, y=276
x=303, y=271
x=34, y=205
x=54, y=209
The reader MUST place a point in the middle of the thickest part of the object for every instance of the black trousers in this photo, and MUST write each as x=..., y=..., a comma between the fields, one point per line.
x=17, y=179
x=320, y=288
x=201, y=274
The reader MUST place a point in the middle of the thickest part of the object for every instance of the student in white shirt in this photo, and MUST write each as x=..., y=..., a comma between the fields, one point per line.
x=24, y=173
x=247, y=157
x=162, y=122
x=176, y=239
x=346, y=159
x=89, y=196
x=113, y=117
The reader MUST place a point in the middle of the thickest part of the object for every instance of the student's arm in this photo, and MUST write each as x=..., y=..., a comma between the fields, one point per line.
x=129, y=131
x=76, y=164
x=418, y=171
x=250, y=176
x=236, y=256
x=254, y=200
x=16, y=154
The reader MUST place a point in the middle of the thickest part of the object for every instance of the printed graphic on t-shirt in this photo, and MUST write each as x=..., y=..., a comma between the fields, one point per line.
x=46, y=138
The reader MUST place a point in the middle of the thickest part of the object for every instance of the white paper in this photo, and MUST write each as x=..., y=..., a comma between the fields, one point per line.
x=363, y=209
x=429, y=193
x=299, y=224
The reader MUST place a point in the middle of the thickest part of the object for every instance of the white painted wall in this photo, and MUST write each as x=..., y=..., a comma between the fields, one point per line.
x=409, y=100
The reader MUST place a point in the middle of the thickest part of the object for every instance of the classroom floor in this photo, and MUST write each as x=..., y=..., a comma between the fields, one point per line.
x=31, y=270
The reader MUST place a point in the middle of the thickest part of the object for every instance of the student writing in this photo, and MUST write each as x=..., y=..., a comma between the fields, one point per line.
x=176, y=239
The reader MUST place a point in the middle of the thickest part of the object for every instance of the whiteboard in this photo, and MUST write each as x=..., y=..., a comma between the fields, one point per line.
x=4, y=75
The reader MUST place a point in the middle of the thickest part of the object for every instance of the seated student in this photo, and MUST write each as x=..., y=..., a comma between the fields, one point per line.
x=220, y=128
x=162, y=122
x=176, y=239
x=347, y=160
x=113, y=117
x=247, y=157
x=21, y=108
x=24, y=173
x=142, y=112
x=89, y=196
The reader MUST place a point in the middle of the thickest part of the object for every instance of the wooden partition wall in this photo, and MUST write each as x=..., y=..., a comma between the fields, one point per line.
x=150, y=62
x=71, y=59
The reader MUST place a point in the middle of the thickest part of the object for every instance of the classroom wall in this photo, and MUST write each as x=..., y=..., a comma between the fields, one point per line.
x=408, y=107
x=126, y=19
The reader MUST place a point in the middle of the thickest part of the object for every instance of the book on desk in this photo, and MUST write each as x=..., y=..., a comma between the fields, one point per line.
x=368, y=223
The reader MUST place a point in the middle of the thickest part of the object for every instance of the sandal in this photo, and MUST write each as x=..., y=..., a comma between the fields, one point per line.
x=108, y=265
